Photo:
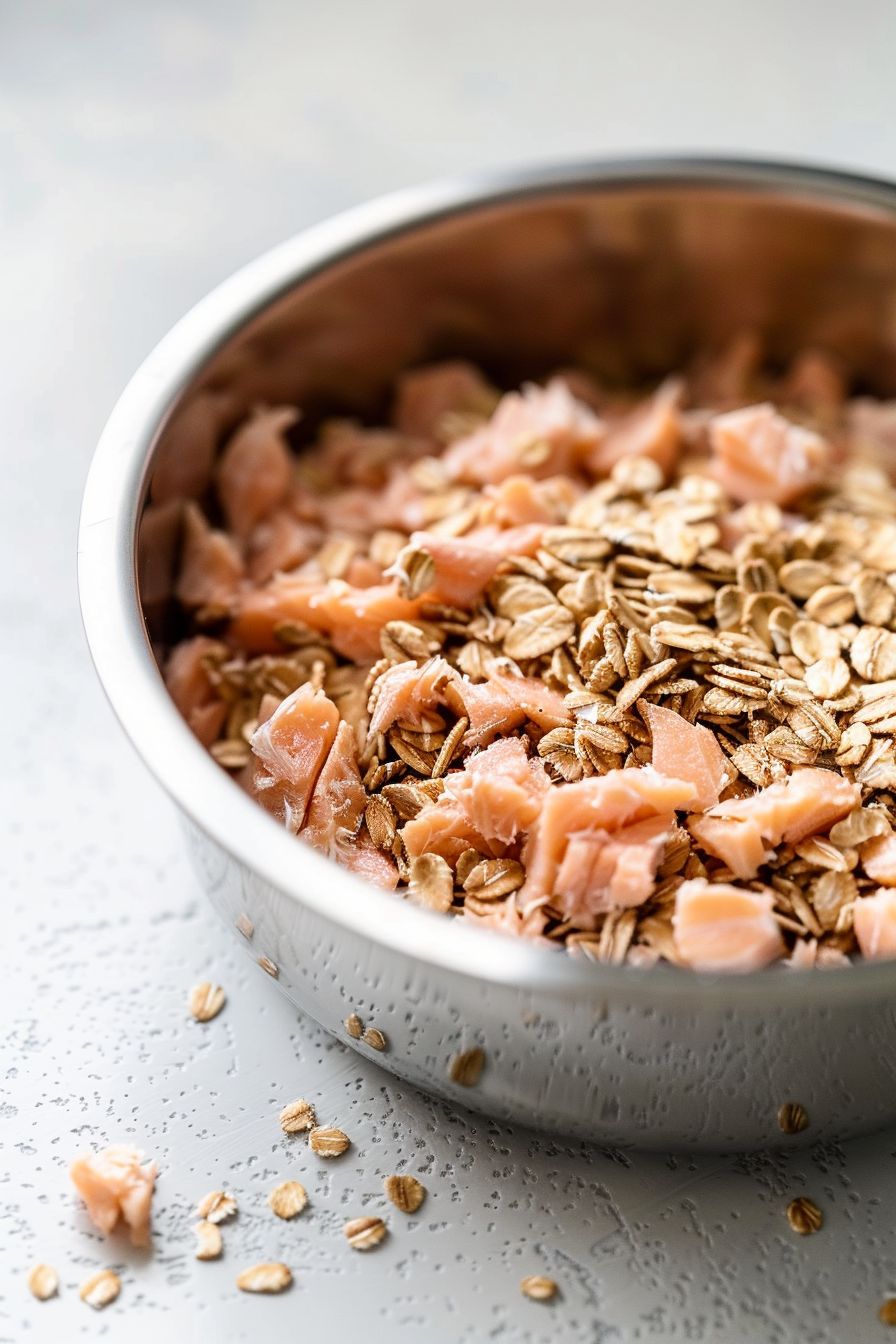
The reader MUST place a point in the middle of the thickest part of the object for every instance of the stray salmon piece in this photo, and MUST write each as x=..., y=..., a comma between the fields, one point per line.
x=879, y=859
x=684, y=750
x=740, y=831
x=874, y=921
x=542, y=431
x=758, y=454
x=464, y=566
x=600, y=805
x=254, y=474
x=352, y=617
x=718, y=927
x=182, y=467
x=116, y=1184
x=500, y=791
x=652, y=430
x=603, y=870
x=210, y=568
x=293, y=745
x=519, y=500
x=426, y=395
x=406, y=691
x=191, y=689
x=281, y=542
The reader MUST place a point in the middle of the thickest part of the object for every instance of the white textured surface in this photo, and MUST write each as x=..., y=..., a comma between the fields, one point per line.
x=144, y=151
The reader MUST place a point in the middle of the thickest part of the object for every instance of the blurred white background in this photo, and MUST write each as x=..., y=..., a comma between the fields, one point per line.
x=146, y=149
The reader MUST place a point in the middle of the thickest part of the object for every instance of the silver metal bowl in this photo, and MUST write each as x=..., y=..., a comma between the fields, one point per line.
x=622, y=267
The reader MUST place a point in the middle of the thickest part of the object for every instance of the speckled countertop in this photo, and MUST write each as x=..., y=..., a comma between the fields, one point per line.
x=144, y=152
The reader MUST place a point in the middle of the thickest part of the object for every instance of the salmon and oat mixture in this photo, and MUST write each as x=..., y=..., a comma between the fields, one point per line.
x=611, y=670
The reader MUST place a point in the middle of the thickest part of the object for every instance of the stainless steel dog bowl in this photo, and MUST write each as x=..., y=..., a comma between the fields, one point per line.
x=623, y=267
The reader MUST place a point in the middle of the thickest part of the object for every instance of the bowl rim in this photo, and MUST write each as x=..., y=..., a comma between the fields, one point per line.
x=119, y=646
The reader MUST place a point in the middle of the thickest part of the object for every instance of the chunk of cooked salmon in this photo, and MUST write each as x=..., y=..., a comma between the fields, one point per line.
x=684, y=750
x=355, y=455
x=279, y=543
x=211, y=567
x=600, y=805
x=406, y=691
x=351, y=617
x=293, y=745
x=541, y=430
x=718, y=927
x=191, y=688
x=254, y=474
x=334, y=815
x=487, y=805
x=400, y=504
x=605, y=870
x=653, y=429
x=874, y=921
x=443, y=828
x=742, y=830
x=500, y=791
x=518, y=500
x=425, y=396
x=117, y=1184
x=464, y=566
x=879, y=859
x=502, y=703
x=758, y=454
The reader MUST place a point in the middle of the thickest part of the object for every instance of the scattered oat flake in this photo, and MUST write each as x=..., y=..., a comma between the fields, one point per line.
x=793, y=1118
x=887, y=1313
x=466, y=1067
x=269, y=967
x=374, y=1038
x=217, y=1206
x=328, y=1142
x=405, y=1192
x=43, y=1282
x=206, y=1001
x=208, y=1240
x=804, y=1216
x=297, y=1117
x=363, y=1234
x=100, y=1289
x=288, y=1199
x=539, y=1287
x=271, y=1277
x=354, y=1026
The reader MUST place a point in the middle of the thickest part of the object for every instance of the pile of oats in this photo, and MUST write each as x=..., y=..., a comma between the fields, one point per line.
x=653, y=582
